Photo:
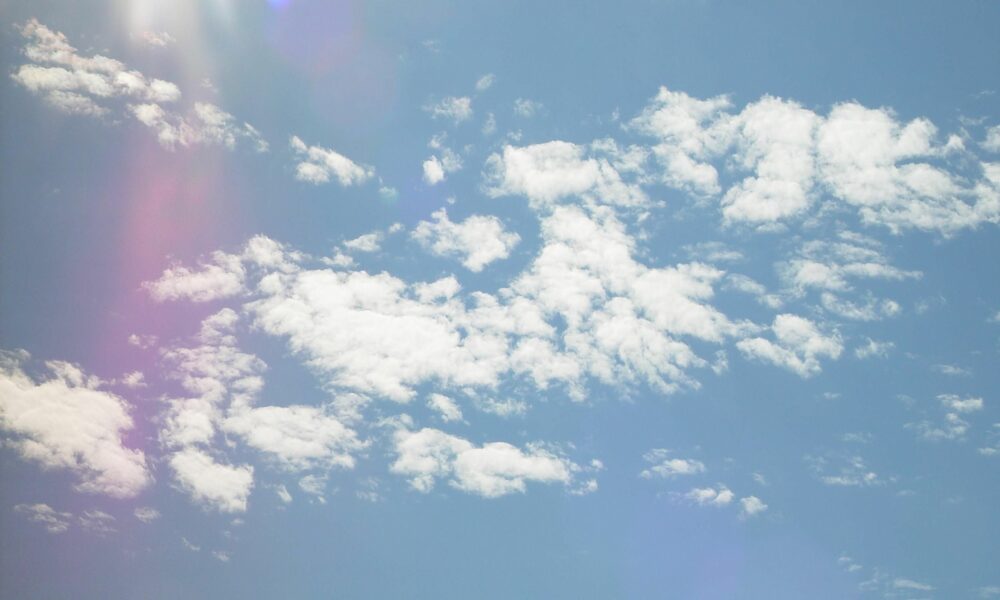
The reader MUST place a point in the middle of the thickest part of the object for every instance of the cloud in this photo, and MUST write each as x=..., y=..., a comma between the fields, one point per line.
x=953, y=426
x=485, y=82
x=157, y=39
x=476, y=241
x=526, y=108
x=661, y=465
x=719, y=496
x=549, y=172
x=874, y=348
x=369, y=242
x=284, y=494
x=445, y=407
x=146, y=514
x=206, y=125
x=992, y=141
x=909, y=584
x=97, y=521
x=222, y=487
x=492, y=470
x=455, y=109
x=69, y=422
x=433, y=171
x=317, y=164
x=852, y=472
x=892, y=174
x=751, y=506
x=798, y=345
x=53, y=520
x=297, y=437
x=78, y=84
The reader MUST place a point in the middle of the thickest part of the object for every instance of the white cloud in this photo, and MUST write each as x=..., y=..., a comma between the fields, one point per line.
x=455, y=109
x=526, y=108
x=720, y=496
x=662, y=465
x=318, y=164
x=445, y=407
x=476, y=241
x=492, y=470
x=485, y=82
x=953, y=370
x=52, y=520
x=546, y=173
x=284, y=494
x=961, y=405
x=158, y=39
x=207, y=124
x=97, y=521
x=852, y=472
x=69, y=422
x=146, y=514
x=297, y=437
x=909, y=584
x=798, y=345
x=889, y=172
x=369, y=242
x=220, y=278
x=433, y=171
x=874, y=348
x=225, y=488
x=992, y=141
x=79, y=84
x=750, y=506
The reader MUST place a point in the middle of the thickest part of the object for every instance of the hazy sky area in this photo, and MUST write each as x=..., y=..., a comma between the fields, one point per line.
x=680, y=299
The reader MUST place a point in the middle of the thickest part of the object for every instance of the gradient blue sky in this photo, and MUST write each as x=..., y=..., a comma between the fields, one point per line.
x=714, y=314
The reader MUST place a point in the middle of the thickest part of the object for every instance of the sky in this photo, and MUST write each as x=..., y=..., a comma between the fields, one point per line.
x=681, y=299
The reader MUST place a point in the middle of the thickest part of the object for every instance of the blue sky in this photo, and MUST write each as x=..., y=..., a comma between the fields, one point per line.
x=353, y=300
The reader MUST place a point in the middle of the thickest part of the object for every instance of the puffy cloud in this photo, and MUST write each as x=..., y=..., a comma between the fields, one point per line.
x=476, y=241
x=317, y=164
x=492, y=470
x=369, y=242
x=798, y=345
x=52, y=520
x=433, y=171
x=225, y=488
x=283, y=494
x=750, y=506
x=774, y=140
x=455, y=109
x=297, y=437
x=663, y=466
x=222, y=277
x=720, y=496
x=69, y=422
x=687, y=139
x=445, y=407
x=546, y=173
x=207, y=124
x=890, y=172
x=79, y=84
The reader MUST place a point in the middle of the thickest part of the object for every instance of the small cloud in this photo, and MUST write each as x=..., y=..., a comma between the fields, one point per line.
x=53, y=520
x=485, y=82
x=158, y=39
x=452, y=108
x=750, y=506
x=526, y=108
x=146, y=514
